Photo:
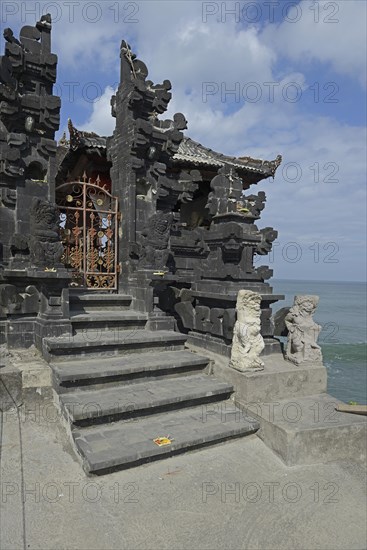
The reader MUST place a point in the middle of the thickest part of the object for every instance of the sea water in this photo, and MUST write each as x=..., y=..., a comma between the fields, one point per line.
x=342, y=314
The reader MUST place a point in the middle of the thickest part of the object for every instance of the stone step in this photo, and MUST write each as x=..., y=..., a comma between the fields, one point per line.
x=93, y=301
x=107, y=320
x=111, y=343
x=307, y=430
x=141, y=399
x=71, y=374
x=125, y=444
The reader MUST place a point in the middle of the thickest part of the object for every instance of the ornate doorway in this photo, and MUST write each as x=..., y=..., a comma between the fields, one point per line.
x=89, y=226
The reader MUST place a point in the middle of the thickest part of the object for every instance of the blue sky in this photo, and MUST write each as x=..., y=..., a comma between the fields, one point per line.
x=297, y=72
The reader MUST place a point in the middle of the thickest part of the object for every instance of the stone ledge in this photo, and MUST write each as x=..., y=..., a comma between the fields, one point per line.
x=10, y=388
x=33, y=370
x=280, y=379
x=217, y=345
x=34, y=273
x=297, y=418
x=307, y=430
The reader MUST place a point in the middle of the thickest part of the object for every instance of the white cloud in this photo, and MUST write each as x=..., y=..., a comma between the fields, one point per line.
x=101, y=120
x=330, y=32
x=194, y=52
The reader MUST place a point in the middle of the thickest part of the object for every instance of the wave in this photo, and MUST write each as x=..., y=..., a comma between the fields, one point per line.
x=346, y=353
x=347, y=374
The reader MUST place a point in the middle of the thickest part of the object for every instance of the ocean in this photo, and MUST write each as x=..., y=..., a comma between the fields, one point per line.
x=342, y=314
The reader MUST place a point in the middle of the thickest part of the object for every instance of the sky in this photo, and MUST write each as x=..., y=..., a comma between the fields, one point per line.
x=253, y=78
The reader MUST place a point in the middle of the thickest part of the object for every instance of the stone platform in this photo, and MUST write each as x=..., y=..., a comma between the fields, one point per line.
x=280, y=379
x=298, y=420
x=306, y=430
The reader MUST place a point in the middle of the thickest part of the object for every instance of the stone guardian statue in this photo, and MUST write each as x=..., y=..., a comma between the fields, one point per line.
x=247, y=343
x=303, y=332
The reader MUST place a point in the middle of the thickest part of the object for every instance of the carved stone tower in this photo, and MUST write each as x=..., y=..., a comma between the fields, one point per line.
x=188, y=236
x=30, y=253
x=29, y=117
x=139, y=150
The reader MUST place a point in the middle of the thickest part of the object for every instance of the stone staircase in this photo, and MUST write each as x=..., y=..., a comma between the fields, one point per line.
x=120, y=386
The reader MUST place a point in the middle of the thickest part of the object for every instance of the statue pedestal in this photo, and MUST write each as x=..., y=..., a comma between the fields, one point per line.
x=298, y=420
x=280, y=379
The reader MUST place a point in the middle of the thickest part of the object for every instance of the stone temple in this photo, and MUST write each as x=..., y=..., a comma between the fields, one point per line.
x=127, y=261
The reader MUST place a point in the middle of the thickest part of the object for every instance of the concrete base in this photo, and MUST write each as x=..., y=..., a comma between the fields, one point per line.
x=297, y=417
x=24, y=375
x=280, y=379
x=307, y=430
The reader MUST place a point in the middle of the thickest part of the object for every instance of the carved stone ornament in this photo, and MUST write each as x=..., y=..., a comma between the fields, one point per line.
x=9, y=299
x=303, y=332
x=247, y=341
x=155, y=250
x=13, y=301
x=45, y=246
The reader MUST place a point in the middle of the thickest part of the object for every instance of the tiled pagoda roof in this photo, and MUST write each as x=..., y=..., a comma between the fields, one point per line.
x=190, y=152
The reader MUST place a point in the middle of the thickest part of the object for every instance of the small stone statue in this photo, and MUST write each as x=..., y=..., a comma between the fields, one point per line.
x=247, y=341
x=155, y=242
x=46, y=248
x=303, y=332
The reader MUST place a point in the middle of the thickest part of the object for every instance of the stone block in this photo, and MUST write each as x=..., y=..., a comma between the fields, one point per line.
x=10, y=388
x=160, y=323
x=20, y=333
x=280, y=379
x=209, y=343
x=307, y=430
x=37, y=376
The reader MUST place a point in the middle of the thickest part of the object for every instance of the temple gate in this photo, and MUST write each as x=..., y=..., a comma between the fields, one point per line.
x=89, y=228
